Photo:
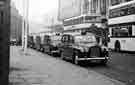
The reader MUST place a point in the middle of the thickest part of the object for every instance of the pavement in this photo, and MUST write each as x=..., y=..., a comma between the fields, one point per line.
x=35, y=68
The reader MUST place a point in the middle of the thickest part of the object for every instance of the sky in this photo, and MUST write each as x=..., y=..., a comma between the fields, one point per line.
x=41, y=12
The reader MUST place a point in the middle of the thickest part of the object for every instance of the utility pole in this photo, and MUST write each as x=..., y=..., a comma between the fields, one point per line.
x=23, y=33
x=52, y=20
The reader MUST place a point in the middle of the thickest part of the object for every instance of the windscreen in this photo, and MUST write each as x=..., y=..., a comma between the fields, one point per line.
x=85, y=39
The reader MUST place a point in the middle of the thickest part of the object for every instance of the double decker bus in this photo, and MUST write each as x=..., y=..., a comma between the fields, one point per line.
x=122, y=25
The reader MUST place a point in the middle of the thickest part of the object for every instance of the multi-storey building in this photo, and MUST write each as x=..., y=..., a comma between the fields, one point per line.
x=98, y=7
x=16, y=24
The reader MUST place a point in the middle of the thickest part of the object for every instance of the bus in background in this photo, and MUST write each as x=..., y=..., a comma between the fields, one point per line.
x=122, y=25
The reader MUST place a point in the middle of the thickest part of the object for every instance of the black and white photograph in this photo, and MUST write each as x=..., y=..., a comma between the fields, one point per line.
x=67, y=42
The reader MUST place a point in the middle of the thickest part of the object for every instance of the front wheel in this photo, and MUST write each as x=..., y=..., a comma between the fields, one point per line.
x=117, y=47
x=104, y=62
x=62, y=56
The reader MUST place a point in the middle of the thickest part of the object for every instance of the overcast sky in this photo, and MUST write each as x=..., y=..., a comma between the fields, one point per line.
x=38, y=8
x=40, y=11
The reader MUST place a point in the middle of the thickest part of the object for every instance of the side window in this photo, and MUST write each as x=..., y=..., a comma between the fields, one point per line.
x=49, y=38
x=71, y=39
x=63, y=38
x=130, y=30
x=98, y=39
x=66, y=38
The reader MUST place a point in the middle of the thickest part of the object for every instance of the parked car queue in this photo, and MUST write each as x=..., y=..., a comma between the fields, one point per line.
x=77, y=48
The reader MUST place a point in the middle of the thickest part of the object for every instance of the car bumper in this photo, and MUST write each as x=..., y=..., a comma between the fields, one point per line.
x=95, y=58
x=55, y=51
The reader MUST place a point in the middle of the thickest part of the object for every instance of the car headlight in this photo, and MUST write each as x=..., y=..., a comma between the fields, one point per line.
x=104, y=48
x=86, y=49
x=54, y=44
x=81, y=49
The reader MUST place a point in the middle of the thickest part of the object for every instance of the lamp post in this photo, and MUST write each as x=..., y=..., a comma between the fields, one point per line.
x=25, y=25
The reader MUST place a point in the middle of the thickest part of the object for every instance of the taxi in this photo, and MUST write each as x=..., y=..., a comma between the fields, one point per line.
x=83, y=47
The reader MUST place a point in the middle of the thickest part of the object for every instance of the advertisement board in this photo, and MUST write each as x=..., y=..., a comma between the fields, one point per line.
x=69, y=8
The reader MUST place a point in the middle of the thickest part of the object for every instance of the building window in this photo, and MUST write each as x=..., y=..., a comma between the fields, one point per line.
x=130, y=30
x=128, y=0
x=122, y=11
x=116, y=2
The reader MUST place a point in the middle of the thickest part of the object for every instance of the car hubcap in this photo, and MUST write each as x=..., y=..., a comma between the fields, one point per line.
x=62, y=56
x=76, y=59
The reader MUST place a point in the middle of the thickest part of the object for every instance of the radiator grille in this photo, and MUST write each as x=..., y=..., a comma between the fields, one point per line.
x=95, y=51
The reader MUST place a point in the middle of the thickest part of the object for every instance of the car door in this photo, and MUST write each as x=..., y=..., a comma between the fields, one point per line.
x=67, y=46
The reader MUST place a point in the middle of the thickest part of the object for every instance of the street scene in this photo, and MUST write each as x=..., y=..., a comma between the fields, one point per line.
x=68, y=42
x=37, y=68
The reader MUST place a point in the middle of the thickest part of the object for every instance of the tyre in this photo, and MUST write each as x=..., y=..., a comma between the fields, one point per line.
x=62, y=56
x=45, y=50
x=103, y=62
x=117, y=47
x=50, y=53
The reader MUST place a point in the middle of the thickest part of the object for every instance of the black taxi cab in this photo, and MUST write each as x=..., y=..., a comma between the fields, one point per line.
x=83, y=47
x=45, y=44
x=37, y=43
x=55, y=44
x=50, y=43
x=30, y=41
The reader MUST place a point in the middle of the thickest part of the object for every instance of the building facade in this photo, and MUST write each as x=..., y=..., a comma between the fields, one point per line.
x=98, y=7
x=16, y=24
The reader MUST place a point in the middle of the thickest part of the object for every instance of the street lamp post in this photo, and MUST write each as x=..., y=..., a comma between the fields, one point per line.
x=25, y=25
